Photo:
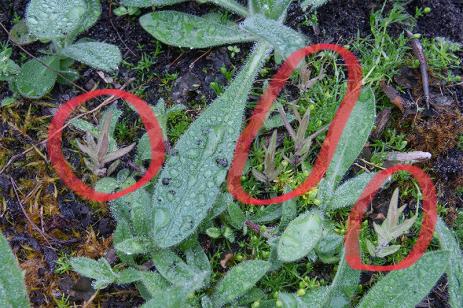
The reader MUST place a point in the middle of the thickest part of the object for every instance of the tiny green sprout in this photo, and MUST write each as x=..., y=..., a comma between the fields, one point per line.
x=284, y=163
x=263, y=228
x=234, y=50
x=239, y=257
x=243, y=178
x=279, y=303
x=275, y=294
x=317, y=202
x=427, y=10
x=417, y=36
x=300, y=292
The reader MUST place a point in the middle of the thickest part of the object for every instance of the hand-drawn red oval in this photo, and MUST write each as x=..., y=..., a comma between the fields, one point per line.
x=328, y=148
x=352, y=249
x=64, y=171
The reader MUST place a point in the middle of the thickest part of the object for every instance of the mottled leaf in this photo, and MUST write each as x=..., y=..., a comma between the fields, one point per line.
x=99, y=55
x=37, y=79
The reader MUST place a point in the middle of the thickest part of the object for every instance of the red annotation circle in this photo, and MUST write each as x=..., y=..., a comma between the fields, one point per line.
x=328, y=148
x=64, y=171
x=352, y=249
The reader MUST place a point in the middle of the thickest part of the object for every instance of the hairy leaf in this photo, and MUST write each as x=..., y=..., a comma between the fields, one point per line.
x=99, y=55
x=185, y=30
x=198, y=168
x=133, y=246
x=351, y=143
x=176, y=271
x=52, y=19
x=267, y=214
x=237, y=216
x=99, y=270
x=273, y=9
x=12, y=289
x=147, y=3
x=312, y=3
x=91, y=15
x=407, y=287
x=454, y=272
x=37, y=79
x=283, y=38
x=348, y=193
x=238, y=281
x=300, y=237
x=20, y=34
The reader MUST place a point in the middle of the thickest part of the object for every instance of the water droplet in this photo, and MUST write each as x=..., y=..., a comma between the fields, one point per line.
x=161, y=217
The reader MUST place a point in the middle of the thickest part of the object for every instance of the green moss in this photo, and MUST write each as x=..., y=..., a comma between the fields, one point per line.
x=177, y=124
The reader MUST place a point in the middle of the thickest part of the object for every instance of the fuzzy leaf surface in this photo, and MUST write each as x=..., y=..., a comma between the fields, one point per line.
x=238, y=281
x=103, y=56
x=13, y=292
x=407, y=287
x=37, y=79
x=147, y=3
x=348, y=193
x=186, y=30
x=99, y=270
x=282, y=38
x=454, y=272
x=52, y=19
x=351, y=143
x=197, y=170
x=300, y=237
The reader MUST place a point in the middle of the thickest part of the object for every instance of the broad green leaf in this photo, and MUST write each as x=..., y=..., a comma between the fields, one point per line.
x=147, y=3
x=91, y=15
x=288, y=211
x=282, y=38
x=343, y=287
x=20, y=34
x=52, y=19
x=251, y=296
x=231, y=5
x=176, y=271
x=329, y=246
x=311, y=299
x=312, y=3
x=267, y=214
x=273, y=9
x=99, y=270
x=37, y=79
x=348, y=193
x=454, y=272
x=238, y=281
x=133, y=246
x=300, y=237
x=185, y=30
x=13, y=292
x=173, y=297
x=196, y=257
x=202, y=156
x=237, y=216
x=407, y=287
x=150, y=284
x=351, y=143
x=99, y=55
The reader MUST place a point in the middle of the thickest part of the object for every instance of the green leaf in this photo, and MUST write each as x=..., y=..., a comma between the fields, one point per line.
x=151, y=284
x=13, y=292
x=99, y=270
x=351, y=143
x=37, y=79
x=237, y=216
x=176, y=271
x=407, y=287
x=185, y=30
x=329, y=247
x=267, y=214
x=349, y=192
x=454, y=272
x=53, y=19
x=99, y=55
x=20, y=34
x=284, y=39
x=147, y=3
x=288, y=211
x=343, y=287
x=313, y=3
x=238, y=281
x=300, y=237
x=168, y=298
x=134, y=246
x=197, y=170
x=273, y=9
x=91, y=15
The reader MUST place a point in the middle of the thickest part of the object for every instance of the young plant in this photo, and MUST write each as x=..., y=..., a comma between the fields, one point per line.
x=390, y=229
x=8, y=70
x=98, y=150
x=270, y=172
x=59, y=23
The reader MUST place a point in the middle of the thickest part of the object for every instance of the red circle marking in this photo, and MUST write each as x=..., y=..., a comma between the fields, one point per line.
x=55, y=132
x=328, y=148
x=427, y=229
